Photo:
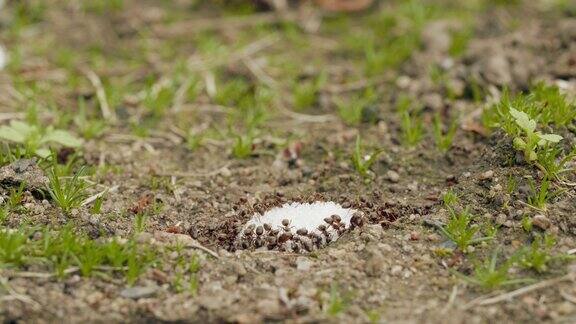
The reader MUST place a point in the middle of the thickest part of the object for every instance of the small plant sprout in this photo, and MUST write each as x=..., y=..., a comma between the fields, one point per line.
x=305, y=93
x=355, y=110
x=361, y=162
x=68, y=192
x=16, y=195
x=450, y=198
x=243, y=146
x=337, y=302
x=194, y=140
x=443, y=138
x=298, y=227
x=530, y=141
x=12, y=246
x=527, y=224
x=36, y=140
x=410, y=123
x=489, y=275
x=462, y=231
x=539, y=197
x=89, y=127
x=4, y=213
x=539, y=254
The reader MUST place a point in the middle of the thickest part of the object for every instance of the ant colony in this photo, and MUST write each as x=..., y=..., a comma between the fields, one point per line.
x=298, y=227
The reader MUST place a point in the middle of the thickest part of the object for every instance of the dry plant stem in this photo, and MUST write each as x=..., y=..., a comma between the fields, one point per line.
x=98, y=195
x=485, y=301
x=14, y=295
x=567, y=296
x=200, y=247
x=101, y=95
x=451, y=300
x=197, y=65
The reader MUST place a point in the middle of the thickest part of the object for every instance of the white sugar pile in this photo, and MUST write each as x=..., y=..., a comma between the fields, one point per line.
x=308, y=216
x=298, y=227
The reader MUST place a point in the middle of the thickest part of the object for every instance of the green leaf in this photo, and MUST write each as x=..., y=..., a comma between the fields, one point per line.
x=523, y=120
x=43, y=152
x=17, y=131
x=552, y=138
x=10, y=134
x=61, y=137
x=519, y=143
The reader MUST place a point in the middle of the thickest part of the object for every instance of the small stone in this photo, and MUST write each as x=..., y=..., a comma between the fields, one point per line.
x=392, y=176
x=541, y=222
x=487, y=175
x=139, y=292
x=396, y=270
x=501, y=219
x=303, y=264
x=374, y=265
x=225, y=172
x=434, y=237
x=566, y=308
x=414, y=236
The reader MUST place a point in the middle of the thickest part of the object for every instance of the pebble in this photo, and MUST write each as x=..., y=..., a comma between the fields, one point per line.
x=225, y=172
x=396, y=270
x=303, y=264
x=139, y=292
x=501, y=219
x=392, y=176
x=487, y=175
x=374, y=265
x=541, y=222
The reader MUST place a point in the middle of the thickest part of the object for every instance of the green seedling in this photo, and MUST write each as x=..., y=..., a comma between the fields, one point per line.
x=36, y=140
x=526, y=224
x=459, y=43
x=552, y=163
x=10, y=154
x=410, y=123
x=546, y=104
x=140, y=222
x=97, y=206
x=530, y=141
x=305, y=93
x=194, y=140
x=4, y=213
x=12, y=247
x=137, y=262
x=231, y=93
x=243, y=146
x=355, y=111
x=489, y=275
x=89, y=127
x=539, y=197
x=68, y=192
x=462, y=231
x=539, y=254
x=444, y=139
x=362, y=163
x=450, y=198
x=16, y=195
x=338, y=302
x=511, y=185
x=88, y=256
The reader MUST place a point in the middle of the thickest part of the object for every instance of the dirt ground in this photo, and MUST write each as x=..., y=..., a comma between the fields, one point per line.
x=394, y=269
